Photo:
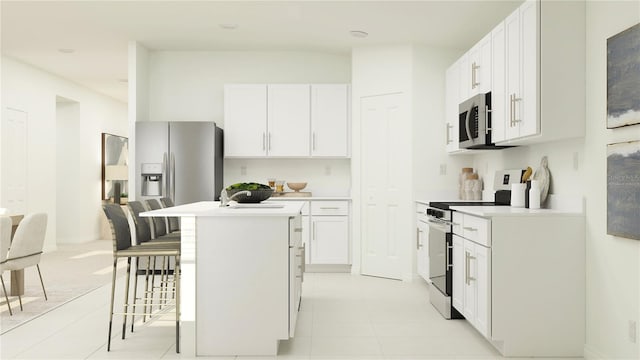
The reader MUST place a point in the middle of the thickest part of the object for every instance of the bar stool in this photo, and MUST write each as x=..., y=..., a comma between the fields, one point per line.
x=123, y=248
x=173, y=222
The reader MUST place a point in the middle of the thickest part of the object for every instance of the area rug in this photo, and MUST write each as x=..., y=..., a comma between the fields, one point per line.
x=68, y=272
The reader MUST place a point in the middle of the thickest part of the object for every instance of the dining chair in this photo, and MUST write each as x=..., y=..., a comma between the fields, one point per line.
x=123, y=248
x=26, y=247
x=5, y=241
x=172, y=221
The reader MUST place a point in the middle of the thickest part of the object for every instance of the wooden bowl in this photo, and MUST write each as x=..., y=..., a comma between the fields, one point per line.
x=296, y=186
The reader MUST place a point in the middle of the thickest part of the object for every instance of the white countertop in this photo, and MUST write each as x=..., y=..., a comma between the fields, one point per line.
x=496, y=211
x=212, y=208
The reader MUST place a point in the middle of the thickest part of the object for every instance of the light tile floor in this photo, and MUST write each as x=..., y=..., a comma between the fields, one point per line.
x=342, y=316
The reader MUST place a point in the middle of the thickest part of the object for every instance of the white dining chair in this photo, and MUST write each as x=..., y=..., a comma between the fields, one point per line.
x=5, y=241
x=26, y=247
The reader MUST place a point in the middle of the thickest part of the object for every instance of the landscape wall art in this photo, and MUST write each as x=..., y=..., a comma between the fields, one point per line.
x=623, y=78
x=623, y=189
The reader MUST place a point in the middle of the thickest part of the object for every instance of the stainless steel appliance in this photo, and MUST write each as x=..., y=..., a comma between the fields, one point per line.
x=474, y=116
x=179, y=160
x=439, y=217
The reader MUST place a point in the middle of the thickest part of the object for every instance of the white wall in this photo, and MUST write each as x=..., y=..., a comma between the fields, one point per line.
x=429, y=131
x=35, y=91
x=188, y=86
x=613, y=263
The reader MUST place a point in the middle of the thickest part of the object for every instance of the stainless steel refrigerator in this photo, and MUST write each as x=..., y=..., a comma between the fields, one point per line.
x=179, y=160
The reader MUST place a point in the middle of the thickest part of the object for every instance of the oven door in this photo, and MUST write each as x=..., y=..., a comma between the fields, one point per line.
x=438, y=254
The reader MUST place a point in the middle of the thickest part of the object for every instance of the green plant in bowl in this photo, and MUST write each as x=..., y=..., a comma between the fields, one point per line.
x=259, y=192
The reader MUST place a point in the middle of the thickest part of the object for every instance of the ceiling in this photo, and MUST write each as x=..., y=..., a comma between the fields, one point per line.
x=99, y=31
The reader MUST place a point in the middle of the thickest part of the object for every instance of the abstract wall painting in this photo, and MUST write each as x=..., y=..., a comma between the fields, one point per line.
x=623, y=189
x=623, y=78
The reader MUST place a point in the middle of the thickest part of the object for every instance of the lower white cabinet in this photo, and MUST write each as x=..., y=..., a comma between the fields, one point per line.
x=518, y=278
x=329, y=240
x=422, y=242
x=296, y=271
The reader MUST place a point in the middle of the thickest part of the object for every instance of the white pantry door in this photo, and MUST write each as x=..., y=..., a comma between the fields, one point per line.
x=14, y=161
x=382, y=178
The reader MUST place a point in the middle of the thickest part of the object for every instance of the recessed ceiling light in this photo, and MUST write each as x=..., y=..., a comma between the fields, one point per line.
x=359, y=33
x=67, y=51
x=229, y=26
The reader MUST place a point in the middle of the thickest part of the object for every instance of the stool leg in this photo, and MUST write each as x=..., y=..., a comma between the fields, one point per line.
x=176, y=279
x=4, y=289
x=113, y=290
x=146, y=289
x=162, y=284
x=135, y=292
x=153, y=284
x=126, y=298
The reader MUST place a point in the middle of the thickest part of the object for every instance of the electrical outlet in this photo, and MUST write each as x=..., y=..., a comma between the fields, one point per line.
x=633, y=327
x=443, y=169
x=575, y=161
x=243, y=170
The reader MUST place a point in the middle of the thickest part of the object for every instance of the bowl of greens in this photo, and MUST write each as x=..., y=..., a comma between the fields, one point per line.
x=259, y=192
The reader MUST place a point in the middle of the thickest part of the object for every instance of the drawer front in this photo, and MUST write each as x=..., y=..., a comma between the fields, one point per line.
x=458, y=222
x=421, y=212
x=477, y=229
x=329, y=208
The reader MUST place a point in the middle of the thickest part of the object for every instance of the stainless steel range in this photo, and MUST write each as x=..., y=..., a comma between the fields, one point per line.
x=441, y=254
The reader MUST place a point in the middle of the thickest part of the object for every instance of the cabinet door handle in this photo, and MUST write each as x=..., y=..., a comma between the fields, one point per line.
x=469, y=228
x=471, y=278
x=515, y=112
x=269, y=141
x=264, y=140
x=418, y=245
x=474, y=77
x=466, y=267
x=313, y=141
x=449, y=127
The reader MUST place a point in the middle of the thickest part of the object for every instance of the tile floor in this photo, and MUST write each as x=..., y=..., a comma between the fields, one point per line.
x=342, y=316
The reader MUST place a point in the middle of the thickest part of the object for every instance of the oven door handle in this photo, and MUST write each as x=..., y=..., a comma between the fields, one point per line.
x=440, y=222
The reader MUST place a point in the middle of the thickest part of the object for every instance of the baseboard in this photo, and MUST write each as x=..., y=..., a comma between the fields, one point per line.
x=317, y=268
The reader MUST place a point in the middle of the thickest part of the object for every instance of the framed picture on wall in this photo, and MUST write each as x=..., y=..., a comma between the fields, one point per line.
x=623, y=189
x=623, y=78
x=115, y=153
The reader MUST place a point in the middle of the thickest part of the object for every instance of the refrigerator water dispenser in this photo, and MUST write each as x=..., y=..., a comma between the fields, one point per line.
x=151, y=179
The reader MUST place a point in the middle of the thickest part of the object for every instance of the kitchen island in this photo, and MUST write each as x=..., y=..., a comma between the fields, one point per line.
x=241, y=276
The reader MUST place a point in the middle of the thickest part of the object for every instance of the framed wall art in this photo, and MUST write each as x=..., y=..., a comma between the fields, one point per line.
x=623, y=78
x=115, y=153
x=623, y=189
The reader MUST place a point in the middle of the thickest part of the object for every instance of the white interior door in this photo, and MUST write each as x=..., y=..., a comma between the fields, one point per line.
x=384, y=166
x=14, y=161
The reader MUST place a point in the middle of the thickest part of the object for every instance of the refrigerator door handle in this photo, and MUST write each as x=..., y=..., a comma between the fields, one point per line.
x=173, y=177
x=164, y=187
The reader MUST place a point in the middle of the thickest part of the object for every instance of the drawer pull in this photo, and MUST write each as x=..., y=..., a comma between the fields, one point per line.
x=297, y=230
x=470, y=228
x=329, y=208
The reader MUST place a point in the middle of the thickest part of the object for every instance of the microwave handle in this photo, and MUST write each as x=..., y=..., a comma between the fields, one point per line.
x=487, y=128
x=466, y=123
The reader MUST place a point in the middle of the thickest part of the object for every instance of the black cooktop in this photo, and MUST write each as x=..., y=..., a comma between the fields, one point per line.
x=444, y=205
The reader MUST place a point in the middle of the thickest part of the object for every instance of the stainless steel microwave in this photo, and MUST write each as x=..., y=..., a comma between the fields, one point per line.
x=475, y=122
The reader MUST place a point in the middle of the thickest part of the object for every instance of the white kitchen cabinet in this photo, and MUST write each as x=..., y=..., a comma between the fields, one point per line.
x=245, y=114
x=288, y=120
x=422, y=242
x=472, y=271
x=544, y=70
x=329, y=240
x=511, y=273
x=330, y=120
x=498, y=83
x=452, y=101
x=479, y=67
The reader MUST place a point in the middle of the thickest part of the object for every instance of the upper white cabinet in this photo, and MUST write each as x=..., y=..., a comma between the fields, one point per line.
x=452, y=100
x=479, y=67
x=288, y=115
x=544, y=74
x=286, y=120
x=330, y=120
x=245, y=113
x=498, y=83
